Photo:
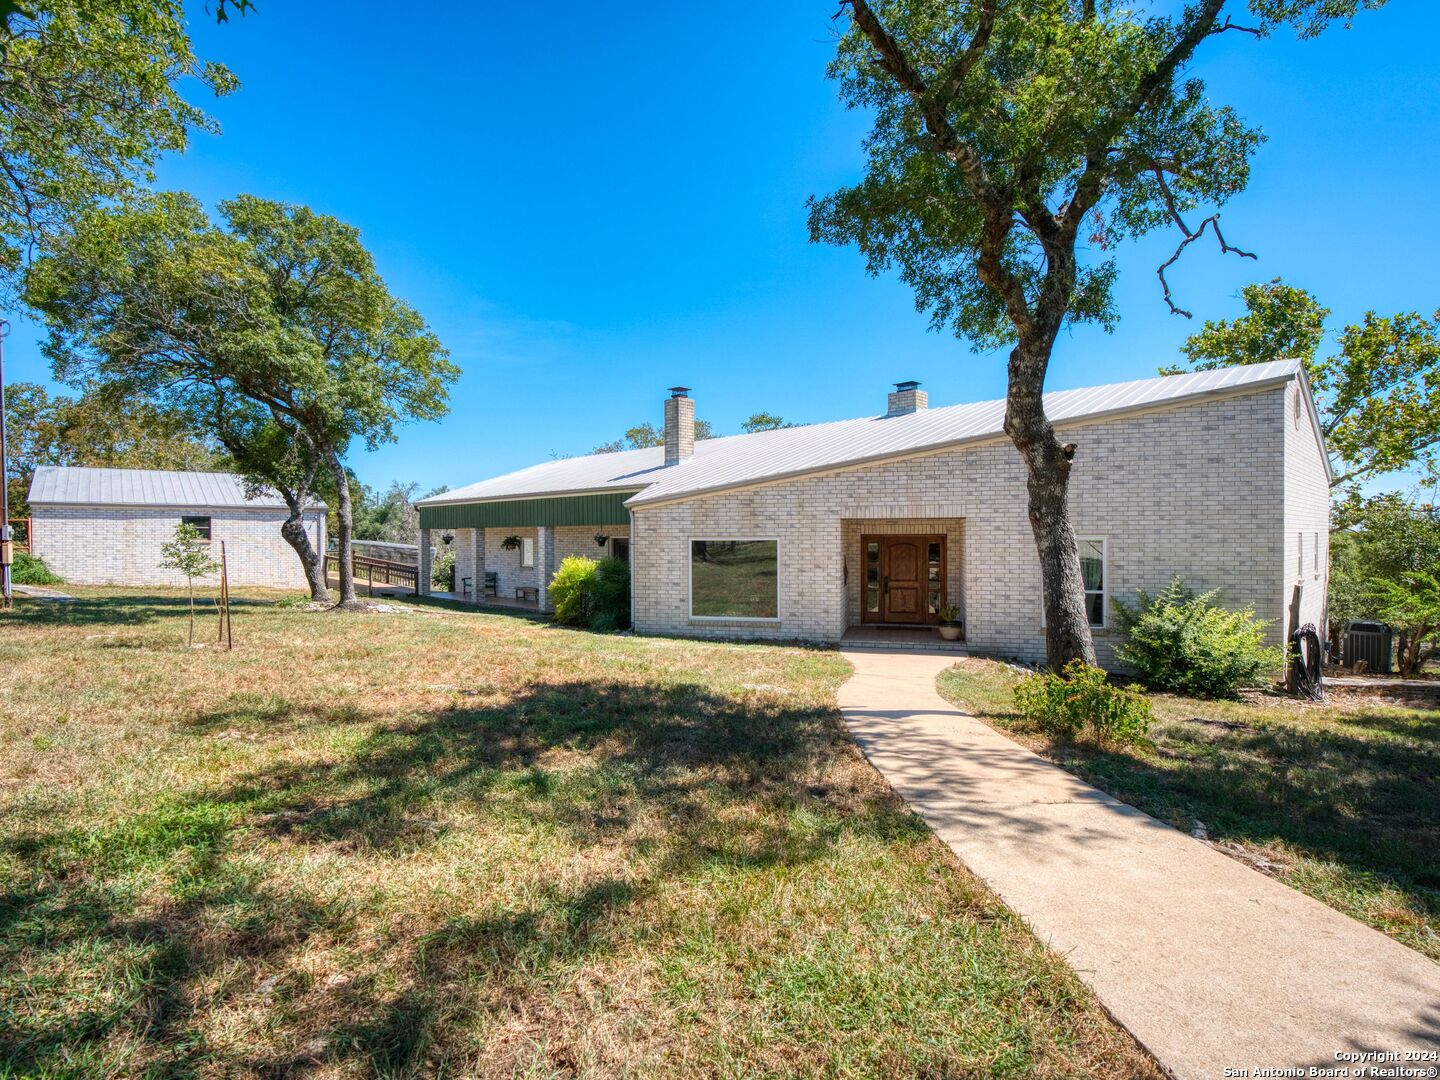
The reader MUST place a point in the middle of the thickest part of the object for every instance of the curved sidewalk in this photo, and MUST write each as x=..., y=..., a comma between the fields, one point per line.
x=1208, y=963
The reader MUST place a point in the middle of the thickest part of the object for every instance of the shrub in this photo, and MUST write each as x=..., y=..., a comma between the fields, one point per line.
x=28, y=569
x=1185, y=643
x=571, y=590
x=1081, y=700
x=442, y=571
x=610, y=596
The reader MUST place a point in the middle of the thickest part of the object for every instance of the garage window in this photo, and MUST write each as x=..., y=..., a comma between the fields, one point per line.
x=200, y=524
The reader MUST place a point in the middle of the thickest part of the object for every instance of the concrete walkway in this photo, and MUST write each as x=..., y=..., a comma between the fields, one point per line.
x=1208, y=963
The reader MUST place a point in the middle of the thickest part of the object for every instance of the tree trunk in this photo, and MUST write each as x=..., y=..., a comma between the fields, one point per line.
x=1047, y=467
x=343, y=533
x=293, y=530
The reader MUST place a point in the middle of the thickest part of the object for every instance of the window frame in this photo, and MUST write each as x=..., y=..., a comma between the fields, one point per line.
x=206, y=533
x=1104, y=590
x=527, y=542
x=690, y=542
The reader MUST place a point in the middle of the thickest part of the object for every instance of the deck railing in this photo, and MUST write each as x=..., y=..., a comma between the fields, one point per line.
x=378, y=572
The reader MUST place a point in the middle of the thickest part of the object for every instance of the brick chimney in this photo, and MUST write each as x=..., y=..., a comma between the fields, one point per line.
x=905, y=398
x=679, y=426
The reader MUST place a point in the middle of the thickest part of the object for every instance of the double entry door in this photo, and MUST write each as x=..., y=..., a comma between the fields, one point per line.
x=903, y=578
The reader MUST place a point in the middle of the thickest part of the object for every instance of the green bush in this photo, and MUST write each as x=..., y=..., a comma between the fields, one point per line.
x=28, y=569
x=1185, y=643
x=1081, y=701
x=442, y=571
x=610, y=596
x=571, y=589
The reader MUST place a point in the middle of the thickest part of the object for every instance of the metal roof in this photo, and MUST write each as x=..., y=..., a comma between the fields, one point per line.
x=735, y=460
x=73, y=485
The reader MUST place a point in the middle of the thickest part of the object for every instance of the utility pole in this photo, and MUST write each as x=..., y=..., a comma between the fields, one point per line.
x=7, y=546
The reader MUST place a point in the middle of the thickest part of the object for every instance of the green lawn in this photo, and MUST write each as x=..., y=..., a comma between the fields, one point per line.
x=443, y=843
x=1341, y=802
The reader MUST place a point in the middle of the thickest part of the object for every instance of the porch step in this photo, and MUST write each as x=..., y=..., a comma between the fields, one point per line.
x=905, y=643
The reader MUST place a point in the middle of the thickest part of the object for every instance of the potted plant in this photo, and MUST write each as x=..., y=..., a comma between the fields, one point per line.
x=951, y=625
x=511, y=543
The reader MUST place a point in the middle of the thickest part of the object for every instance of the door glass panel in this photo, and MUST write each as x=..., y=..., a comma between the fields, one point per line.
x=872, y=599
x=934, y=602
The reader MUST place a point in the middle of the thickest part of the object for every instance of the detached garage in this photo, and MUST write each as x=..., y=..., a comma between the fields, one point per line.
x=105, y=526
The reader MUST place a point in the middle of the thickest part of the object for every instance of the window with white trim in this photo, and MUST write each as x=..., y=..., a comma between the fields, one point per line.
x=734, y=579
x=527, y=551
x=1092, y=573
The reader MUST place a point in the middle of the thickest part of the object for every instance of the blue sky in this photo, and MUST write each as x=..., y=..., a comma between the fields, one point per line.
x=593, y=202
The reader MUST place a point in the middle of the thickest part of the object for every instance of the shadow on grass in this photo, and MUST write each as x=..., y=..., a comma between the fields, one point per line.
x=119, y=610
x=158, y=910
x=1368, y=802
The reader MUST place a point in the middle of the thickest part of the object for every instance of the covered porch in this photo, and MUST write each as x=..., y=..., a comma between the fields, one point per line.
x=507, y=550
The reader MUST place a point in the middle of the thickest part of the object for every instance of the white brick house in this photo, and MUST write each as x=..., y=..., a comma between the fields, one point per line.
x=105, y=526
x=805, y=533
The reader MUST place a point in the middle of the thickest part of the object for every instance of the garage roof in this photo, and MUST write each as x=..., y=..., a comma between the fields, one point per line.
x=73, y=485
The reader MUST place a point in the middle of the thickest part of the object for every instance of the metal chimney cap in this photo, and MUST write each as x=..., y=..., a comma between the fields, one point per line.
x=679, y=391
x=908, y=384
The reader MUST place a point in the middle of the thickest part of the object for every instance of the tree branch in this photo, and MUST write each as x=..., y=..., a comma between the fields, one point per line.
x=1190, y=236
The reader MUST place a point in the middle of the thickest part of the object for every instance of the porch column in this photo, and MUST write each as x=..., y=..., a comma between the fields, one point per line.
x=422, y=582
x=544, y=563
x=477, y=564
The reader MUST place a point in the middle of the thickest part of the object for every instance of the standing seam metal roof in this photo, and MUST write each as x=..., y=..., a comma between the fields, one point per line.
x=735, y=460
x=70, y=485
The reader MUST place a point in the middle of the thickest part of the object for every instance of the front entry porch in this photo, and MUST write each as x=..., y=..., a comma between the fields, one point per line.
x=901, y=575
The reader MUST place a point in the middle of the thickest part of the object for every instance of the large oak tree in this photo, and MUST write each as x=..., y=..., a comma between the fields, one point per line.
x=1014, y=143
x=281, y=308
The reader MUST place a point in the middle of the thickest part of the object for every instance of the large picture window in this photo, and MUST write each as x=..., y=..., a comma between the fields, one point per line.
x=734, y=579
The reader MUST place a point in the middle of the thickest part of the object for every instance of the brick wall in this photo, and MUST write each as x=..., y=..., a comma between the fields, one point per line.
x=1197, y=490
x=121, y=545
x=1307, y=515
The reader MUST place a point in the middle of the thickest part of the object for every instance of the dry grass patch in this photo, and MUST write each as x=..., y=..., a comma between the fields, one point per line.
x=1341, y=801
x=436, y=842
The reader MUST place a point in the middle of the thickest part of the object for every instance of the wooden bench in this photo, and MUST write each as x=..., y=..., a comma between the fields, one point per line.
x=492, y=584
x=527, y=592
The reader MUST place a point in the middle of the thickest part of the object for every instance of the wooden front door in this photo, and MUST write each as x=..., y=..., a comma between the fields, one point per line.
x=903, y=578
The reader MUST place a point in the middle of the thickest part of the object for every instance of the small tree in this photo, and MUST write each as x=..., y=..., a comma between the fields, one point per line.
x=1413, y=608
x=190, y=554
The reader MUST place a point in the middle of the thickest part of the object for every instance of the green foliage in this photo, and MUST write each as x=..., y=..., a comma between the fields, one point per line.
x=764, y=421
x=1081, y=701
x=28, y=569
x=273, y=330
x=1378, y=393
x=1184, y=643
x=99, y=429
x=990, y=156
x=590, y=593
x=442, y=570
x=188, y=553
x=571, y=590
x=389, y=515
x=88, y=104
x=1383, y=567
x=644, y=435
x=610, y=596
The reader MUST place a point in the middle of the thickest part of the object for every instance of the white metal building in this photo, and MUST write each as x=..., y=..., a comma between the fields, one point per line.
x=105, y=526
